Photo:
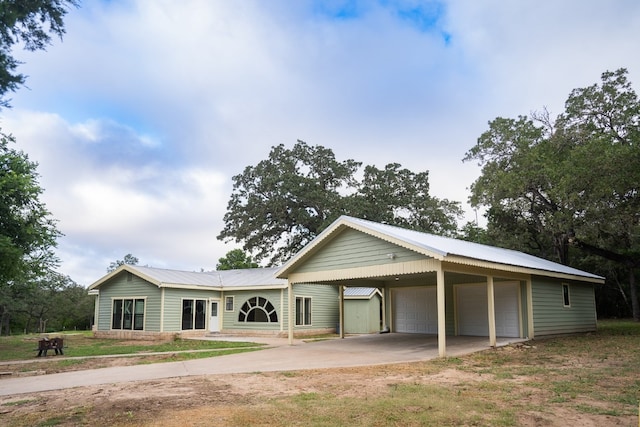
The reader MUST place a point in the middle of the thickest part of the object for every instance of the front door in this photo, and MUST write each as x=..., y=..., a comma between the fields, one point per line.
x=214, y=326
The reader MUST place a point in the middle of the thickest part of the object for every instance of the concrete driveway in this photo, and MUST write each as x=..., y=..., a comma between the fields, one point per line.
x=360, y=350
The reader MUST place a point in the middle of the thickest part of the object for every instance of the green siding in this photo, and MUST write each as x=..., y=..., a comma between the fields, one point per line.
x=551, y=317
x=230, y=320
x=324, y=305
x=126, y=285
x=173, y=306
x=355, y=249
x=324, y=309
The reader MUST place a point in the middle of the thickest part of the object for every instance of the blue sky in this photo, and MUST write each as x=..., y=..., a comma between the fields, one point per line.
x=143, y=113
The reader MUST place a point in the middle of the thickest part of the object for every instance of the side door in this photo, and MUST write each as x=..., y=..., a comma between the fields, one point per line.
x=214, y=321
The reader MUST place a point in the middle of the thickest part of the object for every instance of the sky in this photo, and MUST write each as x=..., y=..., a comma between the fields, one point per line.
x=140, y=117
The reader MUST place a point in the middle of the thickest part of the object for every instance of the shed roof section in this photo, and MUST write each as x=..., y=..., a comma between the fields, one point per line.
x=360, y=293
x=438, y=247
x=218, y=280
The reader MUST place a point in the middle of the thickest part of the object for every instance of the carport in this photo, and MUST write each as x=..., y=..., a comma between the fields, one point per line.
x=433, y=284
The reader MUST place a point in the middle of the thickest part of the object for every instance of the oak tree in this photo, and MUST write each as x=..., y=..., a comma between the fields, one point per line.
x=283, y=202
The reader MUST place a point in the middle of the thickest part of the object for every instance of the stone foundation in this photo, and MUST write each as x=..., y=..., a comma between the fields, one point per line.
x=169, y=336
x=136, y=335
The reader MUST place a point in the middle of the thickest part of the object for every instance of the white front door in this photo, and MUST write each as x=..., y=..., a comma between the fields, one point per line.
x=214, y=326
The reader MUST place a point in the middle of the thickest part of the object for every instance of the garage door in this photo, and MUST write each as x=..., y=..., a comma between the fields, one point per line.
x=472, y=311
x=415, y=310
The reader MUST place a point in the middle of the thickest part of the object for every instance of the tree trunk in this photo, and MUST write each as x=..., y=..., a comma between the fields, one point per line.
x=5, y=319
x=633, y=294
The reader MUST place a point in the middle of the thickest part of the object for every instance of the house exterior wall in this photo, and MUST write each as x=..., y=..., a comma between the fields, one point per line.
x=163, y=309
x=352, y=248
x=324, y=310
x=173, y=308
x=325, y=314
x=551, y=317
x=362, y=316
x=126, y=285
x=231, y=322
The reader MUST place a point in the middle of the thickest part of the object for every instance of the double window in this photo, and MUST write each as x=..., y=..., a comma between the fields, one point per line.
x=194, y=313
x=303, y=311
x=128, y=313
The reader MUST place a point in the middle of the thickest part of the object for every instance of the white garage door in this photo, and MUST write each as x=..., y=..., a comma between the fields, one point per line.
x=473, y=315
x=415, y=310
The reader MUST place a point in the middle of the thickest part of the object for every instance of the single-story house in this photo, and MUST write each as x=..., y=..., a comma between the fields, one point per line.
x=153, y=303
x=362, y=310
x=427, y=284
x=438, y=285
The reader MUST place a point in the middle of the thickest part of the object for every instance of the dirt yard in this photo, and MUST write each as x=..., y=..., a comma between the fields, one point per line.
x=236, y=399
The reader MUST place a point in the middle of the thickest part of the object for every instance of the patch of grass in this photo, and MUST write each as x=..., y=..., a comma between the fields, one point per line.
x=54, y=421
x=402, y=404
x=589, y=409
x=23, y=347
x=618, y=327
x=70, y=362
x=178, y=357
x=19, y=402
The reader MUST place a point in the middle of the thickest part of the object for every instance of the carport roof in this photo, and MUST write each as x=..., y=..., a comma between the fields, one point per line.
x=438, y=247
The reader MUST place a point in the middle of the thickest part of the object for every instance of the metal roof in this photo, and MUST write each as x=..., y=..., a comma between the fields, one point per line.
x=356, y=292
x=440, y=247
x=250, y=277
x=161, y=276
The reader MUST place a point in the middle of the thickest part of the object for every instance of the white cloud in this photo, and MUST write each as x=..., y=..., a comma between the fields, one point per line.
x=145, y=111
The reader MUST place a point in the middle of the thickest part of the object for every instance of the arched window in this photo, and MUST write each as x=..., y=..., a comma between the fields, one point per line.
x=258, y=309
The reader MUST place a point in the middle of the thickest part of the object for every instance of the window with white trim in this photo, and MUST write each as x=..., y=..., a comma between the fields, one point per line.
x=257, y=309
x=228, y=304
x=303, y=311
x=566, y=301
x=128, y=313
x=193, y=314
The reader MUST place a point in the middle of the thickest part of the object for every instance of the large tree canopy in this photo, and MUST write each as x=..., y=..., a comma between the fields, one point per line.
x=554, y=186
x=27, y=232
x=30, y=22
x=283, y=202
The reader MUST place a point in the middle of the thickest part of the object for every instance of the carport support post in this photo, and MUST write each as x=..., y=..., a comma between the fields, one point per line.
x=491, y=308
x=341, y=309
x=384, y=309
x=290, y=310
x=442, y=329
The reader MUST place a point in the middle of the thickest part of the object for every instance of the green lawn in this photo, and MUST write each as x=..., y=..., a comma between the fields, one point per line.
x=79, y=344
